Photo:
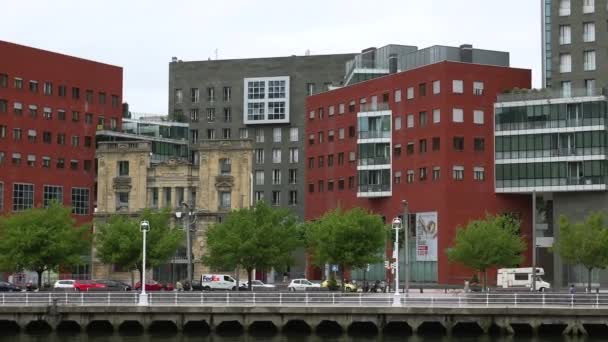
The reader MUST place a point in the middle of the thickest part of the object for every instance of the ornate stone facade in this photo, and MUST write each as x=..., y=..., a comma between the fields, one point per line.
x=127, y=182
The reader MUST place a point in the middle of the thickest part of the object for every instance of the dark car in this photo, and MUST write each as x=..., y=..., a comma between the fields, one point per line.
x=8, y=287
x=196, y=285
x=113, y=285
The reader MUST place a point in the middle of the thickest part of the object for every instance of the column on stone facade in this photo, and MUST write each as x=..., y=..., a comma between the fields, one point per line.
x=149, y=198
x=174, y=203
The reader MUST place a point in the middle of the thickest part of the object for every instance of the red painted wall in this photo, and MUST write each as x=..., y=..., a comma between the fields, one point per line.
x=44, y=66
x=456, y=201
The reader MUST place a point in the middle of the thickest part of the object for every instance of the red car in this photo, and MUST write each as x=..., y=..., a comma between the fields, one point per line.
x=88, y=285
x=152, y=285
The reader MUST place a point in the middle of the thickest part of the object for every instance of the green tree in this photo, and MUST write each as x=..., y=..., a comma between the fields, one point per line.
x=42, y=239
x=258, y=238
x=350, y=239
x=491, y=242
x=584, y=243
x=120, y=241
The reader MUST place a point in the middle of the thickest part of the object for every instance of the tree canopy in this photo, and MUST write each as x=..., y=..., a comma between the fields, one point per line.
x=350, y=239
x=260, y=237
x=491, y=242
x=584, y=243
x=119, y=241
x=42, y=239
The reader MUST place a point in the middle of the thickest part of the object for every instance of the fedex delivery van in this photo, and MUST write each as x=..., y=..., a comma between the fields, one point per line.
x=521, y=277
x=211, y=282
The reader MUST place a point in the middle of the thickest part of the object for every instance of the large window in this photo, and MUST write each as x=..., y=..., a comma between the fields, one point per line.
x=565, y=34
x=551, y=174
x=52, y=193
x=23, y=196
x=123, y=168
x=589, y=32
x=266, y=99
x=589, y=60
x=80, y=201
x=225, y=200
x=551, y=115
x=565, y=62
x=225, y=166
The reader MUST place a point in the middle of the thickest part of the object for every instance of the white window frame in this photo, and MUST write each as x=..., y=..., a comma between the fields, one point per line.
x=566, y=88
x=436, y=115
x=436, y=87
x=277, y=134
x=457, y=86
x=341, y=133
x=564, y=8
x=397, y=123
x=457, y=115
x=276, y=155
x=478, y=88
x=589, y=60
x=341, y=108
x=294, y=155
x=588, y=32
x=458, y=172
x=294, y=133
x=565, y=34
x=588, y=6
x=259, y=177
x=410, y=121
x=565, y=63
x=410, y=93
x=479, y=173
x=266, y=100
x=478, y=117
x=398, y=95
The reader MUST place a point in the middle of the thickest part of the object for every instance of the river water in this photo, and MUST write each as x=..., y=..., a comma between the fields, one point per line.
x=83, y=337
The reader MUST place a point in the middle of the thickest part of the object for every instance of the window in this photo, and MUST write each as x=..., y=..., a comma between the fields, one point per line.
x=340, y=158
x=34, y=86
x=458, y=143
x=194, y=114
x=210, y=114
x=194, y=135
x=410, y=148
x=115, y=101
x=293, y=134
x=565, y=62
x=259, y=196
x=122, y=201
x=457, y=86
x=588, y=6
x=276, y=177
x=47, y=88
x=458, y=172
x=397, y=150
x=227, y=114
x=47, y=113
x=210, y=94
x=259, y=156
x=410, y=120
x=33, y=111
x=46, y=162
x=2, y=158
x=3, y=106
x=3, y=82
x=410, y=176
x=293, y=176
x=330, y=185
x=276, y=134
x=422, y=119
x=589, y=60
x=52, y=193
x=311, y=139
x=75, y=141
x=31, y=135
x=397, y=123
x=18, y=108
x=60, y=163
x=564, y=7
x=422, y=173
x=3, y=130
x=457, y=115
x=320, y=110
x=478, y=117
x=259, y=135
x=565, y=34
x=590, y=87
x=351, y=156
x=225, y=166
x=243, y=133
x=436, y=115
x=227, y=94
x=194, y=95
x=422, y=145
x=73, y=164
x=23, y=196
x=397, y=177
x=267, y=99
x=178, y=96
x=351, y=182
x=102, y=98
x=566, y=88
x=478, y=144
x=16, y=158
x=259, y=177
x=436, y=87
x=330, y=160
x=331, y=110
x=75, y=93
x=436, y=173
x=87, y=165
x=18, y=83
x=225, y=200
x=398, y=95
x=293, y=197
x=320, y=161
x=89, y=96
x=276, y=155
x=293, y=155
x=211, y=134
x=478, y=173
x=410, y=93
x=276, y=198
x=341, y=108
x=311, y=163
x=422, y=89
x=436, y=143
x=320, y=137
x=351, y=106
x=16, y=134
x=75, y=116
x=351, y=131
x=477, y=88
x=226, y=133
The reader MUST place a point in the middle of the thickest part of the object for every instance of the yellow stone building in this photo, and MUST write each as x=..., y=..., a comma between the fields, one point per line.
x=129, y=180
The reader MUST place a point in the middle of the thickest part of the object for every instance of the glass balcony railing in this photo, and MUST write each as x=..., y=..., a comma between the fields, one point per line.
x=373, y=107
x=558, y=152
x=374, y=187
x=373, y=161
x=512, y=126
x=544, y=182
x=374, y=134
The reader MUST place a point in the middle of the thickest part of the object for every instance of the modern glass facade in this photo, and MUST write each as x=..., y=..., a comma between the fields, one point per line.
x=543, y=114
x=374, y=152
x=550, y=174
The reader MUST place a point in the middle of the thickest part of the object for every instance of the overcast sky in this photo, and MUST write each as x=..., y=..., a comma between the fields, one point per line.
x=143, y=35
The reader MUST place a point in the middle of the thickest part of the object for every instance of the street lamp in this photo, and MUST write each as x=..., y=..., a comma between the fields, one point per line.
x=187, y=213
x=406, y=226
x=396, y=227
x=144, y=226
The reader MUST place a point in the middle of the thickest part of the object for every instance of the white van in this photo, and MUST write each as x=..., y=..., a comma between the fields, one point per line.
x=217, y=282
x=521, y=277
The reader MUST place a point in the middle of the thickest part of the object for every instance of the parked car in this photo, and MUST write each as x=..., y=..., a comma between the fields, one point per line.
x=64, y=284
x=153, y=285
x=88, y=285
x=255, y=284
x=348, y=287
x=195, y=286
x=218, y=282
x=114, y=285
x=9, y=287
x=301, y=285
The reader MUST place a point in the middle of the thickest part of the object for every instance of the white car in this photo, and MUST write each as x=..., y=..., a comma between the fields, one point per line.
x=256, y=284
x=301, y=285
x=64, y=284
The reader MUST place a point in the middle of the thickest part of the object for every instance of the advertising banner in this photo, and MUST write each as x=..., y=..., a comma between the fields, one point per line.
x=426, y=236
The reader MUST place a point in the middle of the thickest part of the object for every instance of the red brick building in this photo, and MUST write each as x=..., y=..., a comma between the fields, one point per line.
x=50, y=108
x=423, y=135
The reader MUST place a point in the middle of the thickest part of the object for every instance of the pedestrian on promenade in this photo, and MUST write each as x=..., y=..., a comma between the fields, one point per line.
x=572, y=290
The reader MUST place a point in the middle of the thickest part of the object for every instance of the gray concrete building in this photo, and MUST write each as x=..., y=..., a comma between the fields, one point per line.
x=261, y=99
x=575, y=44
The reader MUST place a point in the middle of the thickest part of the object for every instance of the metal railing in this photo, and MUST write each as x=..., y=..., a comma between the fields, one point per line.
x=556, y=152
x=581, y=122
x=449, y=300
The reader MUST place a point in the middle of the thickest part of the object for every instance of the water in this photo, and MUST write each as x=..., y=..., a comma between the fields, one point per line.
x=83, y=337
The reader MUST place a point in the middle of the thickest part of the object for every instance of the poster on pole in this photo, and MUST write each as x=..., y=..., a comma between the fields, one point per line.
x=426, y=236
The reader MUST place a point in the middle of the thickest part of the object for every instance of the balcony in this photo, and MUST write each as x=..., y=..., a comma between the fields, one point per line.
x=374, y=183
x=374, y=190
x=548, y=124
x=374, y=135
x=374, y=107
x=552, y=153
x=385, y=160
x=585, y=183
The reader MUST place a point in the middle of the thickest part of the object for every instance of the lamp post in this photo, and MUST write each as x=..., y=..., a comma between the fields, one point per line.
x=406, y=226
x=396, y=227
x=187, y=224
x=144, y=226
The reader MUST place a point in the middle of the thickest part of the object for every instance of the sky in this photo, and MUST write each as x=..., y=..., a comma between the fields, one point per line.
x=142, y=35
